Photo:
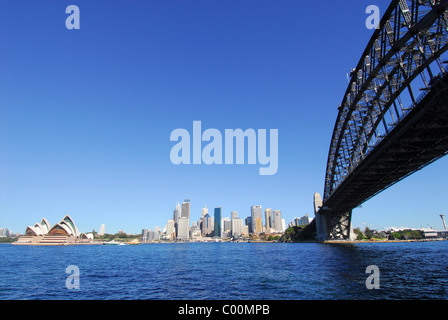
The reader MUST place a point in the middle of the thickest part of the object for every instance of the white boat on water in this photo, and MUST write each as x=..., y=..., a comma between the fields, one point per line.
x=114, y=243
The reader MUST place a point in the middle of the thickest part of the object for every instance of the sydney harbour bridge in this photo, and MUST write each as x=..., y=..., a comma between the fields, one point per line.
x=393, y=118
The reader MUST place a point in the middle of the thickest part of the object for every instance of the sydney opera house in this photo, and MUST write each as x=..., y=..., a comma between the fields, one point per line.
x=64, y=232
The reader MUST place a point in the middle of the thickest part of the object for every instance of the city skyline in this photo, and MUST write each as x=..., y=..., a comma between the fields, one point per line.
x=86, y=115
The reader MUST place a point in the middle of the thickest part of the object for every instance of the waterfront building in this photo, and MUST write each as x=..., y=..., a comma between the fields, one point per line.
x=236, y=224
x=150, y=235
x=145, y=235
x=39, y=229
x=304, y=220
x=62, y=233
x=226, y=224
x=278, y=221
x=195, y=232
x=186, y=209
x=4, y=232
x=64, y=227
x=268, y=219
x=176, y=216
x=206, y=227
x=217, y=228
x=183, y=229
x=185, y=213
x=258, y=225
x=204, y=211
x=170, y=232
x=255, y=213
x=249, y=224
x=102, y=230
x=245, y=231
x=237, y=227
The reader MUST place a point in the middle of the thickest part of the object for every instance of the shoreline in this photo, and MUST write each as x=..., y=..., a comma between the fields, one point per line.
x=175, y=242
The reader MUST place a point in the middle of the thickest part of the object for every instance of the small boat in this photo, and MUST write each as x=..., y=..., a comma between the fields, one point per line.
x=114, y=243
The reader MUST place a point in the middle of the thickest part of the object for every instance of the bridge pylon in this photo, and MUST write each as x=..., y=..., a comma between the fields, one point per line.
x=332, y=225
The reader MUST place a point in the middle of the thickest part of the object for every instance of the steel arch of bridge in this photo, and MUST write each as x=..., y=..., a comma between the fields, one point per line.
x=384, y=111
x=411, y=38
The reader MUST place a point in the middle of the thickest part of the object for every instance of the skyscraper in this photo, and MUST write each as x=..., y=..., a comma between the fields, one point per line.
x=176, y=216
x=145, y=235
x=204, y=211
x=170, y=232
x=218, y=222
x=258, y=225
x=186, y=208
x=249, y=224
x=185, y=214
x=304, y=220
x=255, y=213
x=176, y=213
x=183, y=232
x=235, y=224
x=206, y=227
x=268, y=218
x=237, y=227
x=226, y=225
x=278, y=221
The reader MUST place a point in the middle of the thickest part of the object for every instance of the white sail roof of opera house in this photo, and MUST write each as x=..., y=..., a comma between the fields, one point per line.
x=65, y=227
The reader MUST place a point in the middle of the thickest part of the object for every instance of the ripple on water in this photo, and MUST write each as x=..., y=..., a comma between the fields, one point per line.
x=226, y=271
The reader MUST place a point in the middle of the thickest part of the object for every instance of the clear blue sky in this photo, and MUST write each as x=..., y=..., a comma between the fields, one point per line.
x=86, y=115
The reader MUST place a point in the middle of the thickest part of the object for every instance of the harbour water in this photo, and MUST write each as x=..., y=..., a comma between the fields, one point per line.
x=226, y=271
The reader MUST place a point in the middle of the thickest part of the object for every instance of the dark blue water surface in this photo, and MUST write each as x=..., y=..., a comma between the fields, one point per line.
x=280, y=271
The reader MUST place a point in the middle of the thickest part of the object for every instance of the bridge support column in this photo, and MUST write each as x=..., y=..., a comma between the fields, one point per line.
x=332, y=225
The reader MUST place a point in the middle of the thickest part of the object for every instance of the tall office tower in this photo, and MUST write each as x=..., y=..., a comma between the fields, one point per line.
x=268, y=218
x=226, y=224
x=102, y=230
x=145, y=233
x=185, y=213
x=296, y=222
x=157, y=233
x=204, y=211
x=258, y=225
x=217, y=229
x=176, y=216
x=278, y=220
x=233, y=216
x=170, y=232
x=206, y=227
x=255, y=213
x=186, y=208
x=176, y=213
x=249, y=224
x=304, y=220
x=183, y=229
x=237, y=227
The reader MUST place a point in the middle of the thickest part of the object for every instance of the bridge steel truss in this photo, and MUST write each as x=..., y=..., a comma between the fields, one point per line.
x=403, y=58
